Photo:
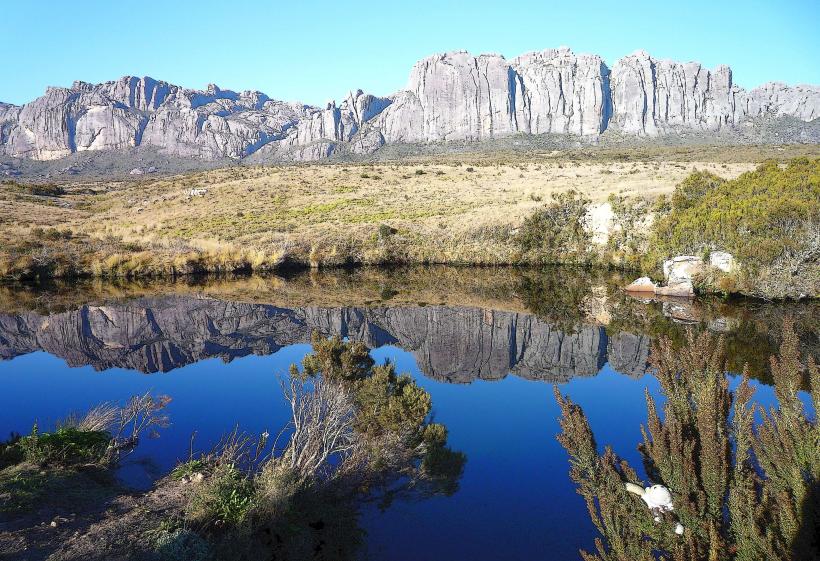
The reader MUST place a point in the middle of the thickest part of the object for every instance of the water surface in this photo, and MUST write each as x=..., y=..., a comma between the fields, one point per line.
x=487, y=344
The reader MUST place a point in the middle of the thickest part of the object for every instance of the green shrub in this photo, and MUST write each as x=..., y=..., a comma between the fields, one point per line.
x=763, y=217
x=389, y=403
x=189, y=468
x=226, y=497
x=44, y=190
x=556, y=233
x=66, y=446
x=336, y=360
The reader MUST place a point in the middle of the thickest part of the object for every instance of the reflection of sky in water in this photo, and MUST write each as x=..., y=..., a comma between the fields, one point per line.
x=515, y=500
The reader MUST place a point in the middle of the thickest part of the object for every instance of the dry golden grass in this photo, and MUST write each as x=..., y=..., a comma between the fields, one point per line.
x=453, y=209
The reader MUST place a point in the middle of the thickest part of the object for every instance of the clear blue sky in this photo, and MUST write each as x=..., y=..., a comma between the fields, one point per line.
x=313, y=51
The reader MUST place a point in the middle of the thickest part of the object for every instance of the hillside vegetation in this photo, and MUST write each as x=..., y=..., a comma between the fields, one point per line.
x=476, y=211
x=769, y=219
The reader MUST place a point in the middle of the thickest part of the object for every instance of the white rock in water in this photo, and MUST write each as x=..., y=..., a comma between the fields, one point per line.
x=643, y=284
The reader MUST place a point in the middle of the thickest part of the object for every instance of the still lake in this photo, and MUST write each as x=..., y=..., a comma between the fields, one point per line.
x=487, y=344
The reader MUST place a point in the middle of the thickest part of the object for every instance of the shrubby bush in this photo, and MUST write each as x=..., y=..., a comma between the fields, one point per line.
x=556, y=232
x=744, y=480
x=355, y=427
x=767, y=218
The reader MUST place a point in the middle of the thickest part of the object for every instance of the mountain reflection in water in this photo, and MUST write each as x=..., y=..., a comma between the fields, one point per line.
x=451, y=329
x=539, y=326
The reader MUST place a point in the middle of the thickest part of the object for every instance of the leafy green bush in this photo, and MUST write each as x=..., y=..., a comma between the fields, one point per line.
x=767, y=216
x=389, y=403
x=66, y=446
x=225, y=498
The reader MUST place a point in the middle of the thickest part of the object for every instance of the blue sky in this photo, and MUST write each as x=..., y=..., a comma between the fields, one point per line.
x=313, y=51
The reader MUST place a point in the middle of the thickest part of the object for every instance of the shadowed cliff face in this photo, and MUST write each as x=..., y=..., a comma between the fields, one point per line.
x=454, y=344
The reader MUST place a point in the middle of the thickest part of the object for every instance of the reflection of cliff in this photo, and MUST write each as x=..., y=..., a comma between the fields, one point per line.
x=457, y=344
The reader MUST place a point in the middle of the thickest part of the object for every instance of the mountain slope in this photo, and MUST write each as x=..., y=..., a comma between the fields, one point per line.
x=449, y=97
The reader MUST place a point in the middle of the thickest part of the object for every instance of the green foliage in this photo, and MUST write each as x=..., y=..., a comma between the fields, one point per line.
x=762, y=217
x=182, y=545
x=556, y=233
x=40, y=189
x=65, y=447
x=226, y=497
x=388, y=403
x=692, y=189
x=189, y=468
x=557, y=297
x=337, y=360
x=743, y=490
x=10, y=453
x=385, y=231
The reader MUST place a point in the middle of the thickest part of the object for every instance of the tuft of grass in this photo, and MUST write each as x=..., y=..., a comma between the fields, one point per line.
x=67, y=446
x=226, y=497
x=189, y=468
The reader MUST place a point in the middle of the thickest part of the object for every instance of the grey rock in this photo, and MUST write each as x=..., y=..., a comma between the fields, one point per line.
x=682, y=269
x=453, y=96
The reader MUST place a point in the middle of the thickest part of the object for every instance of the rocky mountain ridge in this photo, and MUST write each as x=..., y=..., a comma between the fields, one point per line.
x=452, y=96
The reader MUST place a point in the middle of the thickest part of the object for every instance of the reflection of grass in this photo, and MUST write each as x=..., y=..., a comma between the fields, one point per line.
x=741, y=489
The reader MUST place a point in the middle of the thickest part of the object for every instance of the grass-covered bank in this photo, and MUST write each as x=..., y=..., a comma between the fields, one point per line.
x=620, y=213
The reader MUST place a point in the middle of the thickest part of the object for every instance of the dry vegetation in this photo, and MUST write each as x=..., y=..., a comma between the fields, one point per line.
x=457, y=209
x=435, y=210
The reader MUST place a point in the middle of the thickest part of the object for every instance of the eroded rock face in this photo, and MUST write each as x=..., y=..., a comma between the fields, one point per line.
x=449, y=96
x=454, y=344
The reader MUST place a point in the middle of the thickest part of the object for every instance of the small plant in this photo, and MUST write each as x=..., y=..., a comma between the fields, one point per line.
x=385, y=231
x=226, y=497
x=189, y=468
x=65, y=447
x=181, y=545
x=44, y=190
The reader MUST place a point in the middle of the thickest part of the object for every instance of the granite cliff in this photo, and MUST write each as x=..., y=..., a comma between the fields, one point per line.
x=450, y=96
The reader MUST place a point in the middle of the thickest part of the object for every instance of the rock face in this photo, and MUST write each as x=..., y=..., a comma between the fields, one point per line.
x=450, y=96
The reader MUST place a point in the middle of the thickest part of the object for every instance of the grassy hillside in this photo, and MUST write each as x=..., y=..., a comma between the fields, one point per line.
x=475, y=210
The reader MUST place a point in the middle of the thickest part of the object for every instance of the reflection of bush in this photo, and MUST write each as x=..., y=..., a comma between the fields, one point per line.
x=741, y=491
x=356, y=428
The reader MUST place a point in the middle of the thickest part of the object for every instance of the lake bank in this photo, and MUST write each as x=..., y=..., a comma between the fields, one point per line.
x=613, y=214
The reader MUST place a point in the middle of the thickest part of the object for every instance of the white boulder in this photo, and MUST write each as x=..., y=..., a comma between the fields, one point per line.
x=722, y=260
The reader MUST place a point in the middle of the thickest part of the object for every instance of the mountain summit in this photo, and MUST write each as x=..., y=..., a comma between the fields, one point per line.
x=449, y=96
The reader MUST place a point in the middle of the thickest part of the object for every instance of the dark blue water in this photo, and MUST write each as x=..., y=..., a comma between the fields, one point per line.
x=514, y=500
